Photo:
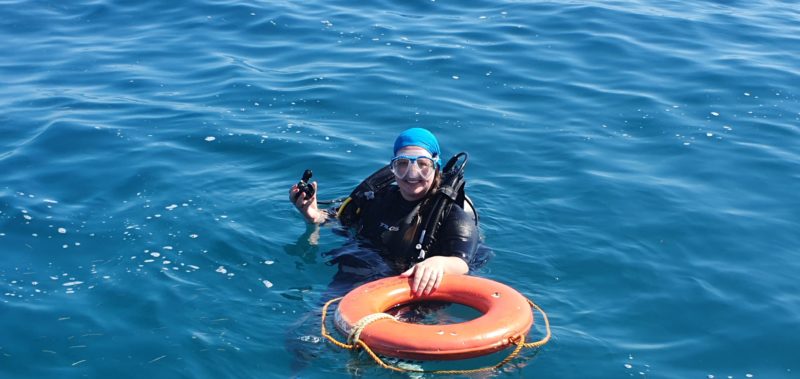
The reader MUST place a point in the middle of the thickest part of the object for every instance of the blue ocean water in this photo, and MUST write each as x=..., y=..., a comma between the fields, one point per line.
x=636, y=165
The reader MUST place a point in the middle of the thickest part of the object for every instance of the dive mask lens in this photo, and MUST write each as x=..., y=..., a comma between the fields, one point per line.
x=426, y=166
x=400, y=166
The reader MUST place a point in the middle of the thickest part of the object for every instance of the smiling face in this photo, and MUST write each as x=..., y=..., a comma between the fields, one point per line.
x=413, y=186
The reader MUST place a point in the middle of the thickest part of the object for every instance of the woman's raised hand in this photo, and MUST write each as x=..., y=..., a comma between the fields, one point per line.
x=307, y=206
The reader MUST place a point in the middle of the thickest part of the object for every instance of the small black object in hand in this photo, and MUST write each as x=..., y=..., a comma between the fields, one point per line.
x=304, y=186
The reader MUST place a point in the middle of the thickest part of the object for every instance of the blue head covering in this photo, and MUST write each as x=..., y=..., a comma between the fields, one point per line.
x=418, y=137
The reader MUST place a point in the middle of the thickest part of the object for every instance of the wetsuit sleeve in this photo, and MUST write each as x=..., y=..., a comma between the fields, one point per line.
x=459, y=235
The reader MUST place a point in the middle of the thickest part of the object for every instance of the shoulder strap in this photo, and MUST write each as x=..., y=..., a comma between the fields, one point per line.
x=351, y=207
x=450, y=192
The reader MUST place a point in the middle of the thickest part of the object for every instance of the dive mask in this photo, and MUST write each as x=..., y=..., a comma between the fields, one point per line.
x=426, y=166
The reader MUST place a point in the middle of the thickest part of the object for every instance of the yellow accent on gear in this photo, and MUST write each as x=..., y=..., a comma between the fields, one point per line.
x=341, y=207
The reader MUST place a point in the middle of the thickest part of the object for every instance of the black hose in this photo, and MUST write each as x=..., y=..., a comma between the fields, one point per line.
x=332, y=201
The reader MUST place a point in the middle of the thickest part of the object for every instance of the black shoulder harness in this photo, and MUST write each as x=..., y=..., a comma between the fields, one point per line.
x=351, y=207
x=435, y=212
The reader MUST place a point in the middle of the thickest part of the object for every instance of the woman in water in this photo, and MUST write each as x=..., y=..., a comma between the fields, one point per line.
x=389, y=220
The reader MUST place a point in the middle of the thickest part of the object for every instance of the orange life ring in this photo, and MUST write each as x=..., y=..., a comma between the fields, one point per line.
x=506, y=317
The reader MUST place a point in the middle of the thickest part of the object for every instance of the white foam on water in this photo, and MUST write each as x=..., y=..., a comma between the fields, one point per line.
x=309, y=338
x=221, y=270
x=267, y=283
x=210, y=138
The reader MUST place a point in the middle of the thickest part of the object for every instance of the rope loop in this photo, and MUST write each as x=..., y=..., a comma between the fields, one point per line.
x=546, y=338
x=358, y=327
x=324, y=330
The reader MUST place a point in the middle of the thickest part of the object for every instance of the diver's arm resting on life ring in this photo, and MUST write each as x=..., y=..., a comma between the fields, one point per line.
x=457, y=246
x=428, y=274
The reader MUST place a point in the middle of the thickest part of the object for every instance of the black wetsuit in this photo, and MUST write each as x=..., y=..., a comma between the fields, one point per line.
x=383, y=248
x=383, y=223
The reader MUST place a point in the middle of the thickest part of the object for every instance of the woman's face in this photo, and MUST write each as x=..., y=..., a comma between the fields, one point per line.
x=413, y=186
